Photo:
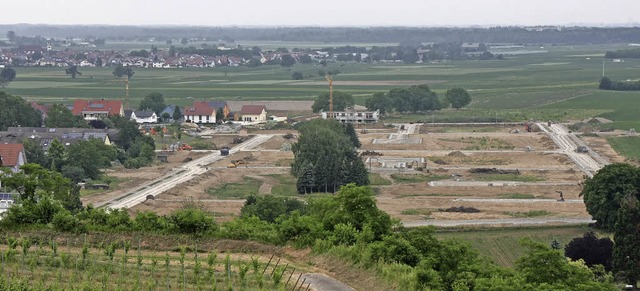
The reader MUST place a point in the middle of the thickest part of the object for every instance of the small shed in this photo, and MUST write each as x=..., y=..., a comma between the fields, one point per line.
x=163, y=158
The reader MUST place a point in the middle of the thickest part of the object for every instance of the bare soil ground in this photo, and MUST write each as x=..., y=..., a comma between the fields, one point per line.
x=446, y=153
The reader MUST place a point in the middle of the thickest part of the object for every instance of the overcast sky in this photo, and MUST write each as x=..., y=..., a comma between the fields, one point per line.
x=323, y=12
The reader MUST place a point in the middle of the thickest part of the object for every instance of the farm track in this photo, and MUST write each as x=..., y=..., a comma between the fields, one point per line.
x=177, y=176
x=567, y=143
x=510, y=221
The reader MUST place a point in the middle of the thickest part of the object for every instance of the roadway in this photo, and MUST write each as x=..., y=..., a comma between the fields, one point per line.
x=177, y=176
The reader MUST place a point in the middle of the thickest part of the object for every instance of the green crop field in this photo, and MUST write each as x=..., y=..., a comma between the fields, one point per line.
x=502, y=245
x=556, y=83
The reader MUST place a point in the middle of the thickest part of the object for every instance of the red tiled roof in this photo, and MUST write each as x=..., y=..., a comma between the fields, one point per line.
x=112, y=107
x=44, y=109
x=199, y=108
x=10, y=154
x=253, y=109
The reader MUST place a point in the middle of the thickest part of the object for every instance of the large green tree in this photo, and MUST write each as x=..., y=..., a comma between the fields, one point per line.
x=6, y=76
x=73, y=71
x=15, y=111
x=287, y=60
x=154, y=102
x=458, y=97
x=380, y=101
x=603, y=193
x=325, y=146
x=92, y=156
x=626, y=251
x=121, y=71
x=60, y=116
x=341, y=101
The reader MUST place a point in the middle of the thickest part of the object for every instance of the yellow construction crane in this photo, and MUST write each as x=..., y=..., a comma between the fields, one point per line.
x=330, y=80
x=125, y=79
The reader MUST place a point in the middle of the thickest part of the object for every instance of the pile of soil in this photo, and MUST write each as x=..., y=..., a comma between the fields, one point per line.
x=457, y=154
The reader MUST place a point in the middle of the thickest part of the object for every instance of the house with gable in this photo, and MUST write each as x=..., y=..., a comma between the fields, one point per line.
x=97, y=109
x=144, y=116
x=226, y=110
x=253, y=113
x=12, y=156
x=200, y=112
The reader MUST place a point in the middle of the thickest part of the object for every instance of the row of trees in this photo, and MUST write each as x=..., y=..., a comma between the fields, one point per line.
x=612, y=197
x=608, y=84
x=417, y=98
x=325, y=157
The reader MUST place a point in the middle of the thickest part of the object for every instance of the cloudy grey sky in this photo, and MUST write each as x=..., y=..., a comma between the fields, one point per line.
x=323, y=12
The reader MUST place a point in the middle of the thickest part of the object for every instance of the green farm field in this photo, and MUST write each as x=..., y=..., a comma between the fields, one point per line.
x=555, y=82
x=502, y=245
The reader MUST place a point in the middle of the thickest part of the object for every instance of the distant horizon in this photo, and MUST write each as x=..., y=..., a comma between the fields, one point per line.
x=328, y=13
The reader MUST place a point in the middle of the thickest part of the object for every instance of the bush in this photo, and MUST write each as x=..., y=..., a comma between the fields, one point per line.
x=193, y=221
x=65, y=221
x=150, y=221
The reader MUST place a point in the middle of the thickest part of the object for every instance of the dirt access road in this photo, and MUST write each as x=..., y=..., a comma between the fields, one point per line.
x=177, y=176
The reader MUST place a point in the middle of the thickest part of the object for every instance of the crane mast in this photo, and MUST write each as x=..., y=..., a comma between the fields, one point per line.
x=330, y=80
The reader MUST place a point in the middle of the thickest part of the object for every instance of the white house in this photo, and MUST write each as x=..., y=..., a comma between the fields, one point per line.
x=144, y=117
x=200, y=112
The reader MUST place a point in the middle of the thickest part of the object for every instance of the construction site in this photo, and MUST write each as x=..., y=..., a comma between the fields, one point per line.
x=423, y=174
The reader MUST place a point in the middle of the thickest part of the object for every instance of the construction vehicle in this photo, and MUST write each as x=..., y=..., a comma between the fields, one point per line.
x=185, y=147
x=224, y=151
x=236, y=163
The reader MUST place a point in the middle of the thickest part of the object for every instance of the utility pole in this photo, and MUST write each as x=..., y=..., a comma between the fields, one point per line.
x=602, y=67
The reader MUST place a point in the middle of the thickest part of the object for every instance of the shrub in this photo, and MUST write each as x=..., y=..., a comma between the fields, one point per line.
x=65, y=221
x=150, y=221
x=192, y=221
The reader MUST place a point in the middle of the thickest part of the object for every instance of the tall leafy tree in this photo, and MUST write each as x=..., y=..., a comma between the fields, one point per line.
x=34, y=152
x=121, y=71
x=341, y=101
x=626, y=252
x=353, y=136
x=605, y=84
x=325, y=146
x=379, y=101
x=287, y=61
x=15, y=111
x=154, y=102
x=56, y=155
x=60, y=116
x=73, y=71
x=603, y=193
x=458, y=97
x=6, y=76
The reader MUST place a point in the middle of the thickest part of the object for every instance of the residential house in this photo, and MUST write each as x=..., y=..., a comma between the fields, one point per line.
x=12, y=156
x=354, y=116
x=168, y=110
x=44, y=110
x=225, y=108
x=278, y=117
x=253, y=113
x=144, y=117
x=200, y=112
x=97, y=109
x=67, y=136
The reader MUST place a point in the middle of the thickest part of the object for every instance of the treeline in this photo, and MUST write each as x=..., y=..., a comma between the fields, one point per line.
x=623, y=54
x=347, y=225
x=418, y=98
x=564, y=35
x=608, y=84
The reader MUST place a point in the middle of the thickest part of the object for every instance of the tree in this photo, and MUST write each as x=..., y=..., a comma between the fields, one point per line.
x=305, y=59
x=177, y=113
x=287, y=61
x=73, y=71
x=34, y=153
x=154, y=102
x=184, y=41
x=626, y=252
x=15, y=111
x=353, y=136
x=6, y=76
x=379, y=101
x=121, y=71
x=91, y=155
x=56, y=155
x=324, y=145
x=219, y=114
x=605, y=84
x=603, y=193
x=60, y=116
x=11, y=36
x=591, y=249
x=297, y=76
x=458, y=97
x=254, y=62
x=341, y=101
